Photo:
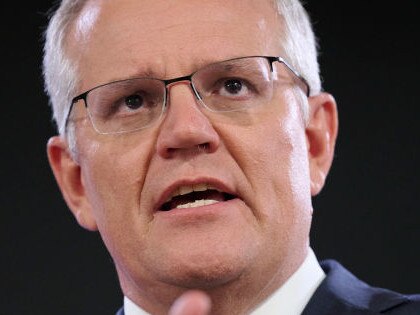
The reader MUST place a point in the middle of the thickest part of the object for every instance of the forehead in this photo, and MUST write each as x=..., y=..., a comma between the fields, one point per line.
x=120, y=38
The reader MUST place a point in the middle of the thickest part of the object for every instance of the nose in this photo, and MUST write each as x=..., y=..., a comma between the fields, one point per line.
x=185, y=129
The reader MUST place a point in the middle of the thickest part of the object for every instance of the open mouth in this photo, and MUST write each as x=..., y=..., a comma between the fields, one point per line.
x=195, y=196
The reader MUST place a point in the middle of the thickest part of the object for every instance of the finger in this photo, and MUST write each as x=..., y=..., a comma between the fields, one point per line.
x=191, y=303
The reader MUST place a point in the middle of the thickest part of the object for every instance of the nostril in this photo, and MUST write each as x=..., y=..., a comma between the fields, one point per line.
x=199, y=148
x=203, y=147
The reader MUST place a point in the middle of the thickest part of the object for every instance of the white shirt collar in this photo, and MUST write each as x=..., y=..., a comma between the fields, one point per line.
x=292, y=297
x=289, y=299
x=132, y=309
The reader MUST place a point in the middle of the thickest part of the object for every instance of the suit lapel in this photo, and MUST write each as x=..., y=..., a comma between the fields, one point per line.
x=344, y=294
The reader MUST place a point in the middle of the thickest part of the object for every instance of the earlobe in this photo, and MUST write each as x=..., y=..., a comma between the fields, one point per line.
x=321, y=134
x=67, y=173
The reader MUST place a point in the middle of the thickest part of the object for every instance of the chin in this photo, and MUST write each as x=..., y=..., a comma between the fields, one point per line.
x=203, y=271
x=202, y=255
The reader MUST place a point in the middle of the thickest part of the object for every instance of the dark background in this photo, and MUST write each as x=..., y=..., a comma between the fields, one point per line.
x=367, y=216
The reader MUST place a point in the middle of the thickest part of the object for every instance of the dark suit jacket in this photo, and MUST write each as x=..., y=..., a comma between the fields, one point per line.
x=341, y=293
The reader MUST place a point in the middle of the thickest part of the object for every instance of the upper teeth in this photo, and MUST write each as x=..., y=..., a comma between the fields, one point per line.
x=186, y=189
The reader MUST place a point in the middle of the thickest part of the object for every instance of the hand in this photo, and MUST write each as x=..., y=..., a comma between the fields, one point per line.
x=191, y=303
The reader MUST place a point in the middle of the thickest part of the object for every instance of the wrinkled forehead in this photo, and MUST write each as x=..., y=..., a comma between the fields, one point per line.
x=120, y=38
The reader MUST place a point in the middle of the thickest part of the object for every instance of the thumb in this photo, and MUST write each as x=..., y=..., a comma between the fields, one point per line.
x=191, y=303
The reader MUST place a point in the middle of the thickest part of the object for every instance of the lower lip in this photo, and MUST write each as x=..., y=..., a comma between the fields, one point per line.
x=199, y=212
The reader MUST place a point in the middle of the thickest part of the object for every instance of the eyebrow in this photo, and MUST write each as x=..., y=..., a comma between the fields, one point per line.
x=149, y=71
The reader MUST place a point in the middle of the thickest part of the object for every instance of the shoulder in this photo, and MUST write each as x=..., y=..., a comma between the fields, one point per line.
x=342, y=293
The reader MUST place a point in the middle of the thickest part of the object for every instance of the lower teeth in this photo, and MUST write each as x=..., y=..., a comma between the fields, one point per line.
x=197, y=203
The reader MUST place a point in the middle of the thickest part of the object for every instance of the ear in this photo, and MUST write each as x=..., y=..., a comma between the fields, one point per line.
x=321, y=134
x=68, y=175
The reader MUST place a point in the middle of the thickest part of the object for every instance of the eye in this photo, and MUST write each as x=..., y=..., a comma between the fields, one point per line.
x=134, y=101
x=233, y=87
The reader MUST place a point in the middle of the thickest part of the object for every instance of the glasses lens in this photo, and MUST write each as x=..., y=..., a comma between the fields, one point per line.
x=235, y=84
x=125, y=106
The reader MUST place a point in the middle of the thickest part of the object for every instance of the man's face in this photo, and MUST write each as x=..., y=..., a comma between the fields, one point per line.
x=260, y=160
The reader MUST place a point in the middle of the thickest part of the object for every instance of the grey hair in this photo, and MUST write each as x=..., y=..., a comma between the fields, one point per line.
x=60, y=71
x=300, y=47
x=299, y=42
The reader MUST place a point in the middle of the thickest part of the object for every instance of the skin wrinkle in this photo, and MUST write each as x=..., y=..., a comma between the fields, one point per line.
x=230, y=146
x=145, y=43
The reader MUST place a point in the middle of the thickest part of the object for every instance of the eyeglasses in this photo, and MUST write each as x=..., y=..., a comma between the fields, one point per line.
x=227, y=86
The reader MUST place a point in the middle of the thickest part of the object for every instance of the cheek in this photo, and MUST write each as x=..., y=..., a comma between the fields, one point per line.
x=285, y=202
x=273, y=157
x=287, y=165
x=296, y=159
x=113, y=173
x=289, y=143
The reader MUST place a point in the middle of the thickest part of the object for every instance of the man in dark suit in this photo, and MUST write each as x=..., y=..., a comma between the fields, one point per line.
x=192, y=136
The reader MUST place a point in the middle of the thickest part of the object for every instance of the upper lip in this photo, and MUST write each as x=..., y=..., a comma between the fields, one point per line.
x=214, y=183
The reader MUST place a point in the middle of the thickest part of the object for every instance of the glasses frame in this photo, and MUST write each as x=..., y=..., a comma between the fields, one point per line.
x=271, y=59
